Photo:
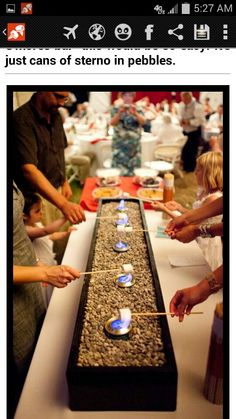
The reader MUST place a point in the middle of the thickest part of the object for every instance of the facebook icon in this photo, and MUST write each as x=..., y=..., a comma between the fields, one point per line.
x=149, y=31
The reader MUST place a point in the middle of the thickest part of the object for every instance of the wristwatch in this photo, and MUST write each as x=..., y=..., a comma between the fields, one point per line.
x=213, y=284
x=205, y=231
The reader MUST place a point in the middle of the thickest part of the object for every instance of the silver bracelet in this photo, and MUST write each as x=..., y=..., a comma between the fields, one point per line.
x=205, y=231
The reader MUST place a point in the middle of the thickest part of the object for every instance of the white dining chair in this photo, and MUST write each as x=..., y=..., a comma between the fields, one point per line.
x=171, y=153
x=106, y=155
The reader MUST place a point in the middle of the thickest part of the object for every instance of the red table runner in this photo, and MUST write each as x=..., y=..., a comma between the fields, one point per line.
x=90, y=204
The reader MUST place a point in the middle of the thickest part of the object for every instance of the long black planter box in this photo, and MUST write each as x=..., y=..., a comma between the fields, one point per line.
x=122, y=388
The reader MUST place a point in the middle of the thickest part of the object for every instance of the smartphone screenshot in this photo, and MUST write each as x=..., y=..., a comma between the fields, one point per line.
x=117, y=137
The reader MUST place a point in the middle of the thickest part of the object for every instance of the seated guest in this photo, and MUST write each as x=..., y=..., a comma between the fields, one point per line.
x=164, y=105
x=149, y=111
x=84, y=113
x=64, y=113
x=207, y=109
x=168, y=132
x=174, y=107
x=100, y=102
x=216, y=119
x=158, y=108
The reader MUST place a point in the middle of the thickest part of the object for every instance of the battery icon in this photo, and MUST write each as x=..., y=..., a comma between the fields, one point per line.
x=185, y=8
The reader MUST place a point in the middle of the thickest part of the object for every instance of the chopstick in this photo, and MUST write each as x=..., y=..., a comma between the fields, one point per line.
x=151, y=314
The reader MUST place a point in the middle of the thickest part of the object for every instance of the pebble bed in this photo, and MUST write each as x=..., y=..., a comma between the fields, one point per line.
x=144, y=347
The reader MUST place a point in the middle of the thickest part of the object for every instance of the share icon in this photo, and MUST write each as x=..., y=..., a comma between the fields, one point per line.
x=172, y=32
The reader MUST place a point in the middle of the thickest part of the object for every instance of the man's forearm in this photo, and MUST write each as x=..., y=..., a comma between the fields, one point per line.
x=37, y=179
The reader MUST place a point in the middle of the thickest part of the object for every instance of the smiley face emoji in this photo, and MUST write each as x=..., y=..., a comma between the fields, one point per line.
x=123, y=32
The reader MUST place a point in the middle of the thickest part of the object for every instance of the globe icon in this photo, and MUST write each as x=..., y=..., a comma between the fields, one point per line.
x=96, y=32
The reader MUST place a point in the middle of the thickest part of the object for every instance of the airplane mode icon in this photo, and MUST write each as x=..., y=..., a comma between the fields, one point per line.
x=70, y=31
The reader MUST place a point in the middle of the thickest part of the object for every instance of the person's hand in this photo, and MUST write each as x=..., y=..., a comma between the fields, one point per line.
x=73, y=212
x=70, y=229
x=66, y=190
x=162, y=207
x=158, y=206
x=132, y=110
x=122, y=109
x=176, y=224
x=184, y=300
x=186, y=234
x=184, y=122
x=173, y=206
x=60, y=276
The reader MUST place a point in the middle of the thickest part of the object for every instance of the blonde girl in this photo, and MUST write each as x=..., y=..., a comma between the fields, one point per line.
x=209, y=174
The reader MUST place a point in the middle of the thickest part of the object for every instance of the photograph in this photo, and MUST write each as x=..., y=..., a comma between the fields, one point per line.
x=115, y=299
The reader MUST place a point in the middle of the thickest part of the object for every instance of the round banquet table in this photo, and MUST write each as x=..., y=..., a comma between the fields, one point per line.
x=95, y=142
x=45, y=393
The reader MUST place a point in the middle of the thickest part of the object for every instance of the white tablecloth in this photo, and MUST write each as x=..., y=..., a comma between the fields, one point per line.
x=45, y=393
x=83, y=144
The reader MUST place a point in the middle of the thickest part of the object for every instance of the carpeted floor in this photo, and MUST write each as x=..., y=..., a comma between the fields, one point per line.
x=186, y=189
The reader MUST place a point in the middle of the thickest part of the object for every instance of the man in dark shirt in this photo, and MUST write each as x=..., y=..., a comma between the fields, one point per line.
x=39, y=152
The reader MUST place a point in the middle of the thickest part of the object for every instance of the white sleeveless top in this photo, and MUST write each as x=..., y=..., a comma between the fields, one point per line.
x=210, y=246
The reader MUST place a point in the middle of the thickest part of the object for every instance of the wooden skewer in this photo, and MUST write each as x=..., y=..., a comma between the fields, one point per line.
x=163, y=314
x=152, y=201
x=99, y=218
x=149, y=231
x=142, y=199
x=136, y=231
x=98, y=272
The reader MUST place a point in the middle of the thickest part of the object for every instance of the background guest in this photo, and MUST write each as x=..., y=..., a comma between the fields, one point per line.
x=216, y=119
x=149, y=112
x=126, y=146
x=169, y=132
x=207, y=109
x=191, y=119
